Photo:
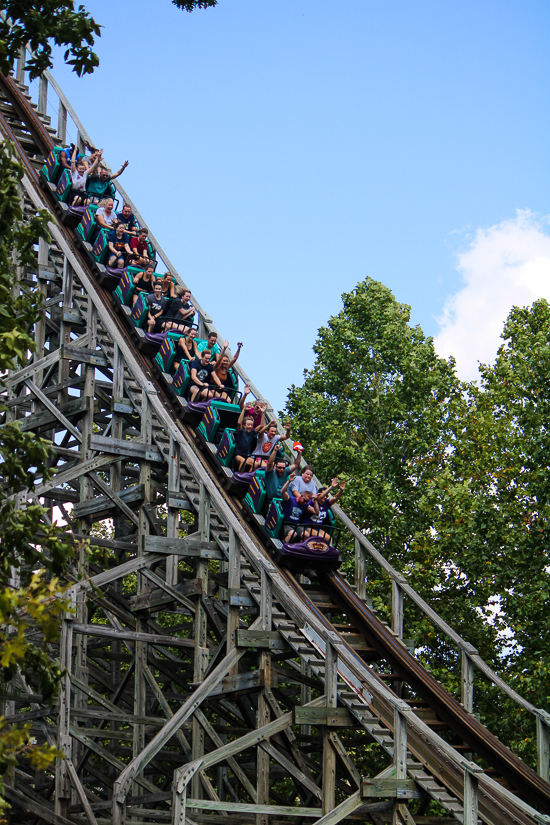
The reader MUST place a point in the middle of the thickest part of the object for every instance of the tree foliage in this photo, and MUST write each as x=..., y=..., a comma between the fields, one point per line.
x=450, y=480
x=31, y=598
x=52, y=23
x=190, y=5
x=43, y=25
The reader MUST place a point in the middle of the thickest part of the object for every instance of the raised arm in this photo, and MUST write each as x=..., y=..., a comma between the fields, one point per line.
x=233, y=360
x=120, y=171
x=338, y=495
x=246, y=391
x=73, y=158
x=262, y=426
x=240, y=420
x=284, y=489
x=95, y=164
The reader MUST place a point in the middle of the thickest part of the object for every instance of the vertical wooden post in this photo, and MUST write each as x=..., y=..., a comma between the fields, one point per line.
x=466, y=681
x=360, y=570
x=397, y=609
x=329, y=754
x=234, y=578
x=173, y=512
x=42, y=95
x=86, y=493
x=264, y=715
x=40, y=327
x=65, y=328
x=62, y=123
x=471, y=771
x=20, y=66
x=140, y=649
x=399, y=815
x=543, y=748
x=62, y=782
x=201, y=651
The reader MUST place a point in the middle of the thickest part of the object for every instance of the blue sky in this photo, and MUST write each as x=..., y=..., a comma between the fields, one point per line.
x=281, y=151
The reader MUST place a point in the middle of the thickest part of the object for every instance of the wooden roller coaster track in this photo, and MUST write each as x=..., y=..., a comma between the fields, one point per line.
x=203, y=684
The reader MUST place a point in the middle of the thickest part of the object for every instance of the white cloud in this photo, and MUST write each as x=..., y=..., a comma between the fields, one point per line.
x=506, y=265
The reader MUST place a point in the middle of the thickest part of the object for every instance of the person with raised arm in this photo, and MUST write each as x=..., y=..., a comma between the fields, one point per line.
x=245, y=442
x=294, y=508
x=222, y=367
x=79, y=176
x=268, y=439
x=324, y=503
x=277, y=472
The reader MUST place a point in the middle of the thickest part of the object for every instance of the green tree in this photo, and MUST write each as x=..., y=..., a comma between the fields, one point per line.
x=449, y=480
x=53, y=23
x=30, y=594
x=376, y=398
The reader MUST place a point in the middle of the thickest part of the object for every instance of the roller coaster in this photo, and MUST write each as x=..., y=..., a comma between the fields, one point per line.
x=203, y=682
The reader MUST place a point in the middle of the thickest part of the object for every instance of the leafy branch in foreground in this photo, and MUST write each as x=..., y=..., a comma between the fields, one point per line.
x=32, y=554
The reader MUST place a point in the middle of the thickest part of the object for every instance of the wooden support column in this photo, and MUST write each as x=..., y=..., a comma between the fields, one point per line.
x=65, y=329
x=471, y=772
x=264, y=714
x=40, y=327
x=201, y=650
x=234, y=578
x=42, y=95
x=62, y=123
x=397, y=609
x=116, y=425
x=20, y=66
x=543, y=747
x=86, y=493
x=329, y=754
x=360, y=570
x=62, y=777
x=400, y=811
x=466, y=681
x=140, y=649
x=173, y=512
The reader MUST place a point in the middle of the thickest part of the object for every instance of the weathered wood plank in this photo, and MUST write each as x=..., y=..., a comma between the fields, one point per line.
x=132, y=636
x=130, y=448
x=70, y=352
x=183, y=547
x=253, y=808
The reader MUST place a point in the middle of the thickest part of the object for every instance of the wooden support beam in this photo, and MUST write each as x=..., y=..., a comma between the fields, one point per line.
x=149, y=638
x=134, y=448
x=53, y=409
x=122, y=784
x=329, y=754
x=184, y=547
x=344, y=809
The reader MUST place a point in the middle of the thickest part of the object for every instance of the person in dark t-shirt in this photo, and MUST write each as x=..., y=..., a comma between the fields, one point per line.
x=176, y=313
x=324, y=503
x=156, y=304
x=294, y=508
x=140, y=249
x=128, y=220
x=246, y=439
x=202, y=374
x=118, y=246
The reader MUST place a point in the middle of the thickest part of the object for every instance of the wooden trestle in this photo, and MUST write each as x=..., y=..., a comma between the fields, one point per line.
x=202, y=683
